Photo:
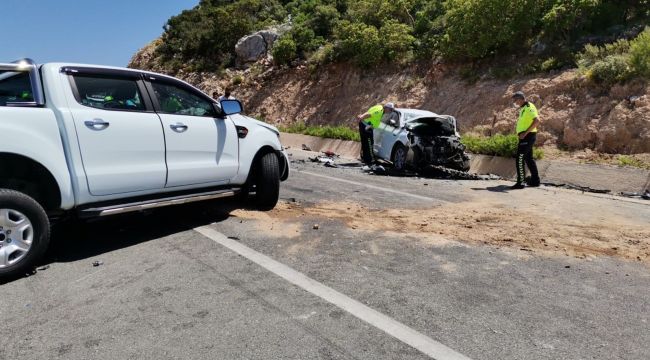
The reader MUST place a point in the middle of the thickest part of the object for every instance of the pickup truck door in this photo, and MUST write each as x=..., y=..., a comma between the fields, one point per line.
x=202, y=148
x=120, y=137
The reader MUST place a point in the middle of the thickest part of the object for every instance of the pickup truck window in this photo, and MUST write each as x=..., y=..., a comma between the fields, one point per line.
x=15, y=87
x=108, y=93
x=176, y=100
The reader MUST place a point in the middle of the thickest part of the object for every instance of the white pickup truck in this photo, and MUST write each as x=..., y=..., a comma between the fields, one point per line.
x=92, y=141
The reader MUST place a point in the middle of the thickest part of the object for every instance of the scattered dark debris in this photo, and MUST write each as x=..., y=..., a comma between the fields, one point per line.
x=306, y=147
x=644, y=196
x=330, y=153
x=322, y=159
x=43, y=268
x=431, y=172
x=331, y=165
x=97, y=263
x=578, y=187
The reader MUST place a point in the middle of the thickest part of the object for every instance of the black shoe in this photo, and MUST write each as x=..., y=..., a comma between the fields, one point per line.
x=533, y=183
x=518, y=186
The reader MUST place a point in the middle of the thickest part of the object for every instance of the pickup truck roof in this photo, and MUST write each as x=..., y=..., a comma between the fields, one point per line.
x=30, y=65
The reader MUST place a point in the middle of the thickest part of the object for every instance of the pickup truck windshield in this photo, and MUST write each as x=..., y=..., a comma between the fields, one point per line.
x=15, y=87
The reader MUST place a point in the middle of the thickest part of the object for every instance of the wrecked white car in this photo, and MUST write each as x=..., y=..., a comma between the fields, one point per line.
x=416, y=139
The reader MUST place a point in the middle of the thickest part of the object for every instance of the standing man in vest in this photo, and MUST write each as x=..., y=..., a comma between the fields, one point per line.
x=367, y=121
x=527, y=132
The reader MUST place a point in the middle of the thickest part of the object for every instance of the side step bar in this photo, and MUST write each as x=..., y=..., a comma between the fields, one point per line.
x=156, y=203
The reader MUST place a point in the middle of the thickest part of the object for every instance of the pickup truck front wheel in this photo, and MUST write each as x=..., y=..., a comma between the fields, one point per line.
x=267, y=182
x=24, y=232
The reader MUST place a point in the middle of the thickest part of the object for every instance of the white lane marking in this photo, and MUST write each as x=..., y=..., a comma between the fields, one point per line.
x=382, y=322
x=403, y=193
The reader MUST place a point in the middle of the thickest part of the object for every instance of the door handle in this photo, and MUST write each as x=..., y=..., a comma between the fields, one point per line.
x=179, y=127
x=97, y=124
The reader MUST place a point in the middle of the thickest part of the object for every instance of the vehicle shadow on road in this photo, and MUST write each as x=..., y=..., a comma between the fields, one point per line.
x=76, y=240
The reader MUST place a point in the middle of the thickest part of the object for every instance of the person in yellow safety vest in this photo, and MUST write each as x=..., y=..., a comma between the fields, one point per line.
x=526, y=128
x=367, y=121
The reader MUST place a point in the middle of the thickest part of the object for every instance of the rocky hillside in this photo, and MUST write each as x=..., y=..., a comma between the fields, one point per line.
x=574, y=114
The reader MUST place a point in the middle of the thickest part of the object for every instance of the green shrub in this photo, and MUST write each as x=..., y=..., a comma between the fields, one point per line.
x=606, y=65
x=305, y=39
x=396, y=39
x=371, y=31
x=561, y=21
x=324, y=55
x=204, y=36
x=610, y=70
x=284, y=50
x=626, y=160
x=237, y=80
x=360, y=42
x=329, y=132
x=497, y=145
x=618, y=61
x=640, y=54
x=479, y=28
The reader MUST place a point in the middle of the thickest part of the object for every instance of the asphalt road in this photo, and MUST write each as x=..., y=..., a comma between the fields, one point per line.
x=166, y=291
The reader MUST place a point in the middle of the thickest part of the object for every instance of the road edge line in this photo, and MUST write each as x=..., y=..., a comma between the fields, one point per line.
x=405, y=334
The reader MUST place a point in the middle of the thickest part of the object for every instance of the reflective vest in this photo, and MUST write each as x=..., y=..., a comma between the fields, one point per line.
x=527, y=115
x=376, y=112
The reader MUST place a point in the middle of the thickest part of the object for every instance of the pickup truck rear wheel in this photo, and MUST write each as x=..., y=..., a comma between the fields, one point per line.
x=24, y=232
x=267, y=182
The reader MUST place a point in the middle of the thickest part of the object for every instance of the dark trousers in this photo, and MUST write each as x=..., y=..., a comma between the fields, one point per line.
x=525, y=155
x=367, y=142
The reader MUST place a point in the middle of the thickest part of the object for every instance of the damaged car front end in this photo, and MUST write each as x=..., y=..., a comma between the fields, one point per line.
x=417, y=139
x=435, y=141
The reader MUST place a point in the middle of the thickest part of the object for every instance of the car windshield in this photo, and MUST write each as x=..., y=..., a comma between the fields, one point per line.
x=408, y=116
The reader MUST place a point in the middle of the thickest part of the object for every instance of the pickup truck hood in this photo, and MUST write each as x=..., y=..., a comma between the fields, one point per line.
x=247, y=121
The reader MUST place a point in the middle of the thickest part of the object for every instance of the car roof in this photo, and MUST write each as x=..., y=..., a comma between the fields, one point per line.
x=416, y=113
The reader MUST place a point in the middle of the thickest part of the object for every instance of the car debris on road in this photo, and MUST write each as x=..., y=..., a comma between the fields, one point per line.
x=644, y=196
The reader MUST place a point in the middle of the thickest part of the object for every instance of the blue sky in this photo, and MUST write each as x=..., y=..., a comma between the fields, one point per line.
x=104, y=32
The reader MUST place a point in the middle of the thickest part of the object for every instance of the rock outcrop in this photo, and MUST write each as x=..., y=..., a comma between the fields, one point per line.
x=255, y=46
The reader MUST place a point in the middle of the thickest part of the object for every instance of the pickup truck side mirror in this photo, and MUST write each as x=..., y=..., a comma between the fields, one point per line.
x=231, y=107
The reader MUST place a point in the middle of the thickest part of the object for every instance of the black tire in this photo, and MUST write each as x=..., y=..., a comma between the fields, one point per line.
x=398, y=157
x=267, y=182
x=14, y=200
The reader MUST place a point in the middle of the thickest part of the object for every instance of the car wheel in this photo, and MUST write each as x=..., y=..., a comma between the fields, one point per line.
x=399, y=157
x=267, y=182
x=24, y=232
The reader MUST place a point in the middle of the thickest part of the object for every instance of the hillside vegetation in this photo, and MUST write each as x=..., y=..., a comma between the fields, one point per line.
x=369, y=32
x=584, y=63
